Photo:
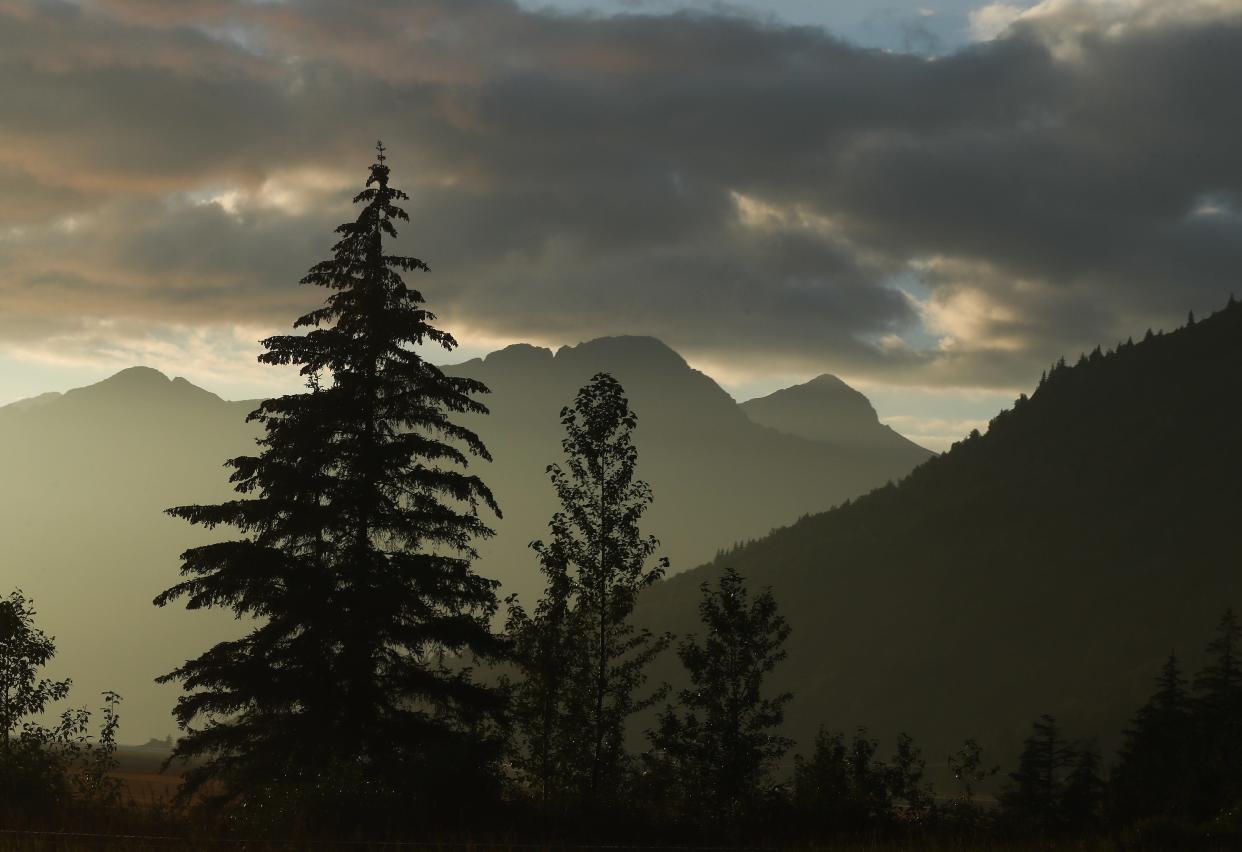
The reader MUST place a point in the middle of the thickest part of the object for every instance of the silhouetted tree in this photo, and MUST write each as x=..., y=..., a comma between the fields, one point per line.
x=1154, y=772
x=969, y=769
x=24, y=651
x=1082, y=798
x=546, y=645
x=43, y=766
x=1217, y=717
x=841, y=787
x=1035, y=801
x=821, y=787
x=722, y=740
x=907, y=788
x=596, y=561
x=31, y=775
x=352, y=689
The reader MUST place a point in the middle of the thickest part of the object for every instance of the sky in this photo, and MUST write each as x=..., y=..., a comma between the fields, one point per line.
x=932, y=200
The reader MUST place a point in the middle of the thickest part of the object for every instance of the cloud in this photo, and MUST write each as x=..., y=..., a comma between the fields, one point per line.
x=987, y=22
x=761, y=197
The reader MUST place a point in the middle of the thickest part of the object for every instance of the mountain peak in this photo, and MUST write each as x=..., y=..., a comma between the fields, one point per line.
x=825, y=381
x=632, y=349
x=137, y=377
x=824, y=409
x=136, y=385
x=519, y=353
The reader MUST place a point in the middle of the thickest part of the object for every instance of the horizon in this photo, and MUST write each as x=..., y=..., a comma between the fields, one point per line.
x=931, y=432
x=922, y=206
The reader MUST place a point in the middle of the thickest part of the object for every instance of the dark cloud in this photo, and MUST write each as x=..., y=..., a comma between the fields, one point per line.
x=749, y=192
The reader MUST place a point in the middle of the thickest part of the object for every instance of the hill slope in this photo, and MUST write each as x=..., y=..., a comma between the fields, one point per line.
x=1047, y=566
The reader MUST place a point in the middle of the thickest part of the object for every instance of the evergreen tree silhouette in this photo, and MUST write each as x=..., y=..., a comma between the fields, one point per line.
x=1217, y=714
x=1154, y=772
x=1035, y=798
x=722, y=739
x=1082, y=797
x=351, y=688
x=597, y=560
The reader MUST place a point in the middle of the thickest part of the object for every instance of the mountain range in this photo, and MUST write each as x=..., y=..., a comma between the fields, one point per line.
x=1049, y=565
x=87, y=473
x=722, y=473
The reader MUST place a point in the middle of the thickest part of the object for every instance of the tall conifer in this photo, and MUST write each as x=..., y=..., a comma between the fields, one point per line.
x=1155, y=769
x=357, y=521
x=1217, y=713
x=1035, y=799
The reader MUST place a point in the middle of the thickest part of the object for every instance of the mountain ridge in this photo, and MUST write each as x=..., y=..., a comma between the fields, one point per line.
x=89, y=473
x=824, y=409
x=1047, y=565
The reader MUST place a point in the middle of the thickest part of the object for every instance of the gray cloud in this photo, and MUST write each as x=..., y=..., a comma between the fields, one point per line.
x=753, y=194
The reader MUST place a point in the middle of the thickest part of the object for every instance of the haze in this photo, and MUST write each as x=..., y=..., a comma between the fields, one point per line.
x=818, y=243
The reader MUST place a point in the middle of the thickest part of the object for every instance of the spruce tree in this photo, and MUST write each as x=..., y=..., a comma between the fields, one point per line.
x=722, y=739
x=353, y=563
x=1217, y=714
x=1155, y=768
x=590, y=662
x=1082, y=797
x=1036, y=798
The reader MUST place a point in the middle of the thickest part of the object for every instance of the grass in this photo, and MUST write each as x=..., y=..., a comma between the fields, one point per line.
x=47, y=842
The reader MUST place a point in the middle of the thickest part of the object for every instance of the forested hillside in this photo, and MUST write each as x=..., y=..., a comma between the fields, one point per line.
x=1049, y=565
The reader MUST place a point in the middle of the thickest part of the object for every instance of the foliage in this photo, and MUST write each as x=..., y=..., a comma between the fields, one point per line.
x=908, y=790
x=1056, y=786
x=1178, y=771
x=32, y=767
x=1216, y=716
x=843, y=788
x=546, y=644
x=583, y=661
x=47, y=768
x=962, y=812
x=1042, y=565
x=722, y=741
x=1154, y=771
x=351, y=694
